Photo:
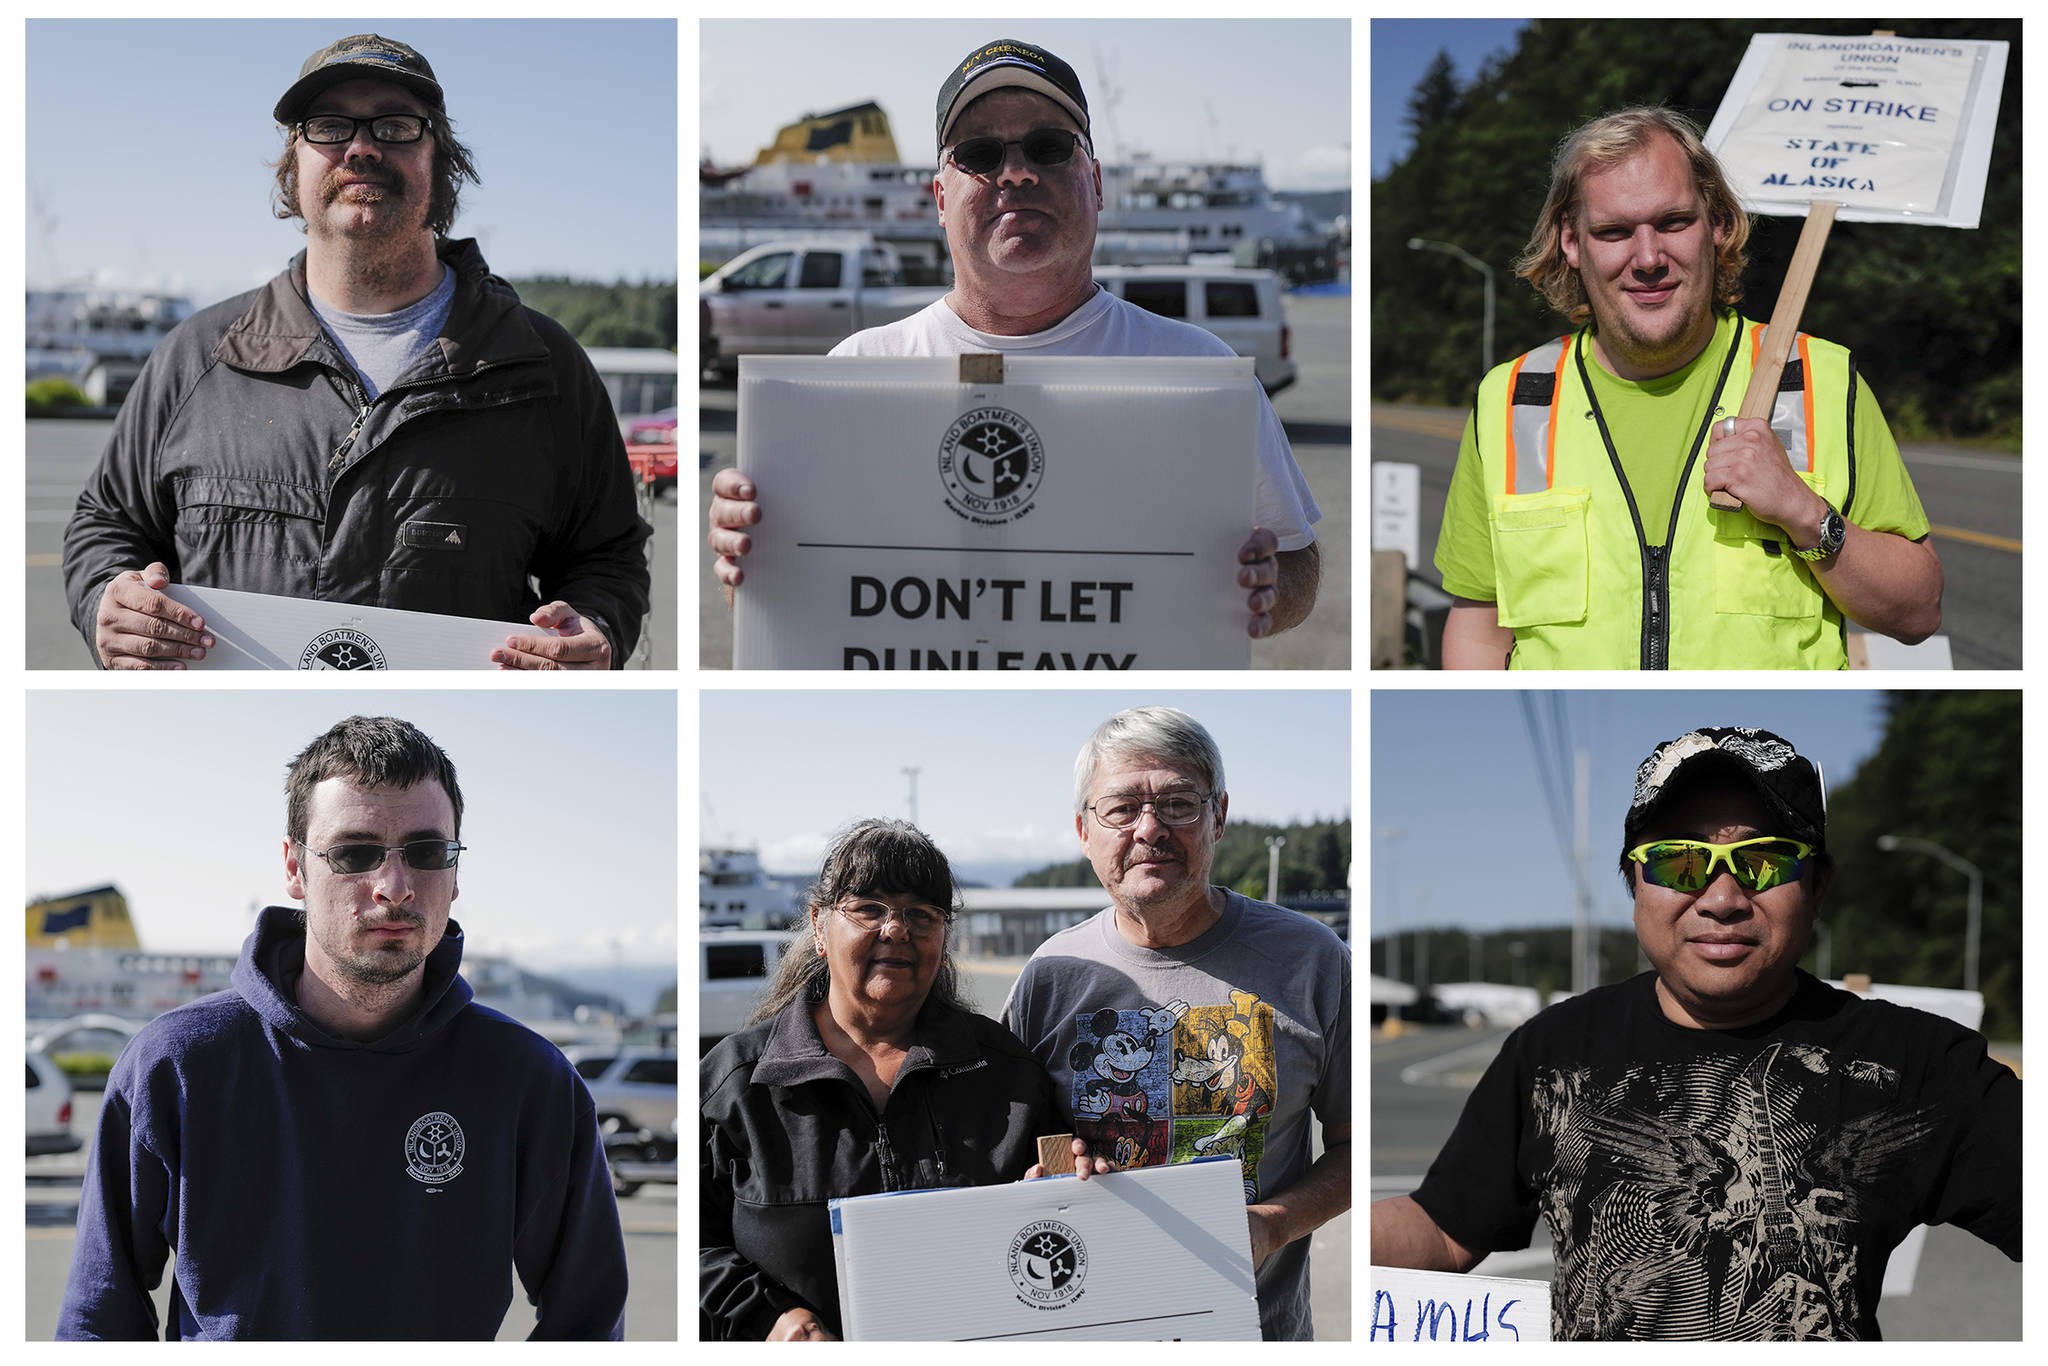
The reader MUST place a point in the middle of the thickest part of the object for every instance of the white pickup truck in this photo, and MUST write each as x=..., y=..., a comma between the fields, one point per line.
x=800, y=298
x=803, y=297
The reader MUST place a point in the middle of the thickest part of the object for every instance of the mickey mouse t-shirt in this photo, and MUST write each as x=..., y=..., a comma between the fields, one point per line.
x=1223, y=1046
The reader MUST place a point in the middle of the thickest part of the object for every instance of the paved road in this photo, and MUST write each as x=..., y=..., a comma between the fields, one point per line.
x=1316, y=411
x=1964, y=1289
x=61, y=455
x=52, y=1186
x=1972, y=498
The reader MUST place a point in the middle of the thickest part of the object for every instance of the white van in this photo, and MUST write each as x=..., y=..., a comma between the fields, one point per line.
x=733, y=968
x=1242, y=307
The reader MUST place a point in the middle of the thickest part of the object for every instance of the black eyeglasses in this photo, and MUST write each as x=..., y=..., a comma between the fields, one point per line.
x=422, y=856
x=1041, y=146
x=329, y=129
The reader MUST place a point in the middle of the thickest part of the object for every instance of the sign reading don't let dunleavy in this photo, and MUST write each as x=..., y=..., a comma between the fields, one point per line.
x=1082, y=513
x=1892, y=128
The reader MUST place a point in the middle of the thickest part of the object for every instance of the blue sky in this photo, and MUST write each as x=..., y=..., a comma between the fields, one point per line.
x=1276, y=90
x=569, y=810
x=1454, y=773
x=148, y=143
x=1402, y=50
x=996, y=780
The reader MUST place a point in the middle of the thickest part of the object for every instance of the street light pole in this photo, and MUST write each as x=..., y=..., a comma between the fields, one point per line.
x=1273, y=843
x=1972, y=932
x=1452, y=249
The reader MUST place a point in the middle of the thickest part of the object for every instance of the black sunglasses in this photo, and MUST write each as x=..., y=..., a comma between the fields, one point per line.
x=1041, y=146
x=422, y=856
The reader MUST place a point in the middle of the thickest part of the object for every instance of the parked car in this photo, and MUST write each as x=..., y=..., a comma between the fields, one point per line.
x=801, y=297
x=638, y=1157
x=1241, y=307
x=733, y=968
x=49, y=1108
x=634, y=1088
x=651, y=447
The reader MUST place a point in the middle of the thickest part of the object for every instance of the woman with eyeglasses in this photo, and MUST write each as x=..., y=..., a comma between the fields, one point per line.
x=862, y=1070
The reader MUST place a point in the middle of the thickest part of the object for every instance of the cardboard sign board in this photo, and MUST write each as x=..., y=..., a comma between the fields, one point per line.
x=1441, y=1306
x=1160, y=1254
x=260, y=631
x=1893, y=129
x=1083, y=513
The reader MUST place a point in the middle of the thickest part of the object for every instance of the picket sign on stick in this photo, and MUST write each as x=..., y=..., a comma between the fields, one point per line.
x=1762, y=392
x=1876, y=129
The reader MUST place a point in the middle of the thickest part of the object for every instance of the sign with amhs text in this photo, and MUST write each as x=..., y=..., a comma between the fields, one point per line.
x=1084, y=514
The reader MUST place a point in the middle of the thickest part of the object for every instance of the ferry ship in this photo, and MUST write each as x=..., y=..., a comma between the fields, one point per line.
x=841, y=170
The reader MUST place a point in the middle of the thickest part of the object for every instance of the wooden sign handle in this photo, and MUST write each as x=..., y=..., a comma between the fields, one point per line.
x=1056, y=1154
x=1762, y=393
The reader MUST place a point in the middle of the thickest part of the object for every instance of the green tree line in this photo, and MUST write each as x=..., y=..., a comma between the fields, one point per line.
x=1316, y=858
x=1948, y=772
x=1933, y=314
x=598, y=314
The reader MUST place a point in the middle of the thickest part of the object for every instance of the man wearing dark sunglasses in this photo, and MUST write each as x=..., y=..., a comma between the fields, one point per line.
x=1018, y=191
x=345, y=1145
x=1723, y=1147
x=383, y=423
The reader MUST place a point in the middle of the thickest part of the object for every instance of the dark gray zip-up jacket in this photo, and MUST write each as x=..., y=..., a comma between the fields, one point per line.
x=787, y=1127
x=245, y=457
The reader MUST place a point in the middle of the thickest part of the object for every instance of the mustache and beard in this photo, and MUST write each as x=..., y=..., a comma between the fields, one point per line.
x=366, y=184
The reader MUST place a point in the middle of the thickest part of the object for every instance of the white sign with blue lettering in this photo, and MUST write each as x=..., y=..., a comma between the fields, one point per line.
x=1893, y=129
x=1441, y=1306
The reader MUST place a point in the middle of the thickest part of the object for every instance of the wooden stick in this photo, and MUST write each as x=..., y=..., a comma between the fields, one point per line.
x=1762, y=394
x=1056, y=1154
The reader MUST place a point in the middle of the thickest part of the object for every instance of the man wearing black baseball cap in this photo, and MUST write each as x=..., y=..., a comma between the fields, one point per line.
x=383, y=423
x=1723, y=1147
x=1018, y=191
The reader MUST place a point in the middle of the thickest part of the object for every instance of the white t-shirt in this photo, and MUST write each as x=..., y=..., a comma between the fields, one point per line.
x=1108, y=326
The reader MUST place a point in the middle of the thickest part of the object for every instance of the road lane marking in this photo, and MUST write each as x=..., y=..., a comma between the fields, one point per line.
x=2005, y=464
x=1956, y=533
x=1425, y=1073
x=1429, y=424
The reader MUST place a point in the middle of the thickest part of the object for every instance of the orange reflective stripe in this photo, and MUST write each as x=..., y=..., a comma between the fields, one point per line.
x=1513, y=375
x=1806, y=379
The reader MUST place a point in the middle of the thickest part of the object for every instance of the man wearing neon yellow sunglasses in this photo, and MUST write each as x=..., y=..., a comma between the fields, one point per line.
x=1723, y=1147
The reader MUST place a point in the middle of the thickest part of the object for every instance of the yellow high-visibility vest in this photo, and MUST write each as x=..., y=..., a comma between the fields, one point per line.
x=1576, y=578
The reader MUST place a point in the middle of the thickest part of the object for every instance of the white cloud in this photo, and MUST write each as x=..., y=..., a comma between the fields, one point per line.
x=1325, y=166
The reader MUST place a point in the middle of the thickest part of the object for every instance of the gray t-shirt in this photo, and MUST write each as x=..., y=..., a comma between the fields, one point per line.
x=381, y=345
x=1221, y=1046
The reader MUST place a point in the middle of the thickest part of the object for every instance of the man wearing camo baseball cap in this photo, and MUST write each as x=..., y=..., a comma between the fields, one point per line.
x=384, y=423
x=1723, y=1147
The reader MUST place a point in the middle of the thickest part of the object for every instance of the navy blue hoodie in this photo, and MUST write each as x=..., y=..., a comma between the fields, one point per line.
x=315, y=1187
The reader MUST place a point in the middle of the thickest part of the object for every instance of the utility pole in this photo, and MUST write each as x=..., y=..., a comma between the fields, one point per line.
x=1583, y=976
x=911, y=773
x=1390, y=840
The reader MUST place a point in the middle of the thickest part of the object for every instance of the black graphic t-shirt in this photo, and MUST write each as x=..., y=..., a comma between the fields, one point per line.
x=1744, y=1184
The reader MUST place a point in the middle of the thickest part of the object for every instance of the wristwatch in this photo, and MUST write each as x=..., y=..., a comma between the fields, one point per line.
x=1833, y=531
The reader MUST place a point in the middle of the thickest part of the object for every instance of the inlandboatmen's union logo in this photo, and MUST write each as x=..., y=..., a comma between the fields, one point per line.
x=433, y=1148
x=991, y=463
x=1048, y=1264
x=344, y=647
